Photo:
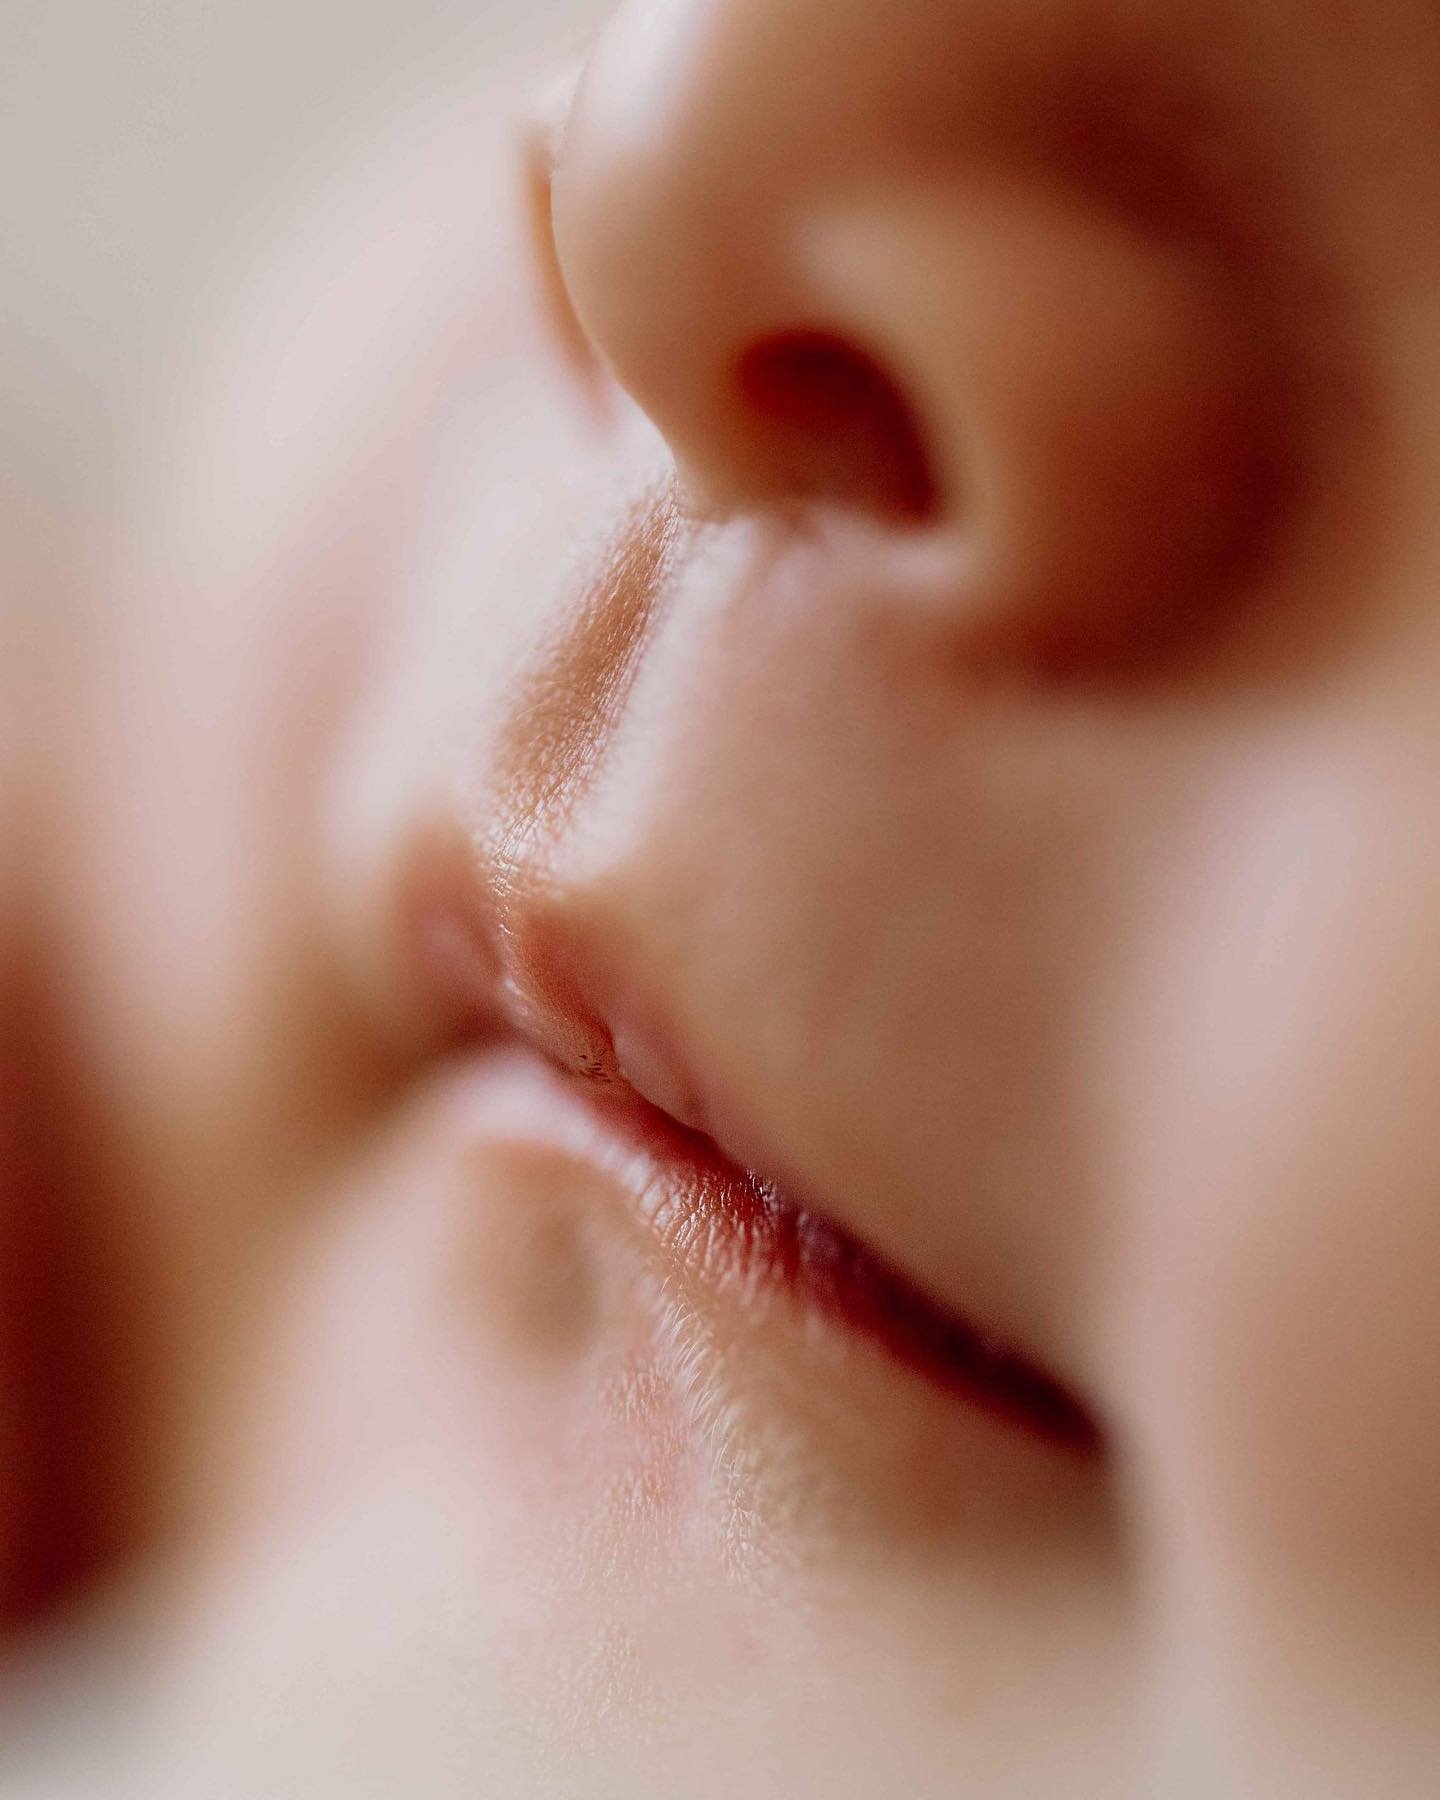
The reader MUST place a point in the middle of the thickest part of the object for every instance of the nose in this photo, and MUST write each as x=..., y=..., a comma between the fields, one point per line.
x=850, y=256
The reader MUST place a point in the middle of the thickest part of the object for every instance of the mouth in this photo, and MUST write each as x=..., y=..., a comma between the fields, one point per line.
x=733, y=1231
x=527, y=979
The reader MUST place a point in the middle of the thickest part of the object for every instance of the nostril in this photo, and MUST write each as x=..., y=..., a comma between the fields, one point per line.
x=830, y=424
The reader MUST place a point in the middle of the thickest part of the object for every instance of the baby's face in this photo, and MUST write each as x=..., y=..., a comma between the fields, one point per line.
x=808, y=1029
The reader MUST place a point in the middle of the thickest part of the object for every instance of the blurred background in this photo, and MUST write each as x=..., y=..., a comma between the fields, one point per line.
x=144, y=147
x=153, y=154
x=156, y=157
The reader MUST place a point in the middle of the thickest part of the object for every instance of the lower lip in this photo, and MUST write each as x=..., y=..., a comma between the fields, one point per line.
x=731, y=1232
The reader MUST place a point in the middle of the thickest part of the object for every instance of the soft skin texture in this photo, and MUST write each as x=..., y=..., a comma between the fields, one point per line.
x=946, y=706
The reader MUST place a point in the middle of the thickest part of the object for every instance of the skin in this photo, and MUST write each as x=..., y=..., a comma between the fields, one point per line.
x=982, y=770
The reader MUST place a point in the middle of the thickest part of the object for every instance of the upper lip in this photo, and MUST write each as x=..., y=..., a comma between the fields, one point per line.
x=552, y=962
x=535, y=991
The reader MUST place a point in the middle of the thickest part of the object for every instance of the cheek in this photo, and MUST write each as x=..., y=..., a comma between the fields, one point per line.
x=1279, y=1319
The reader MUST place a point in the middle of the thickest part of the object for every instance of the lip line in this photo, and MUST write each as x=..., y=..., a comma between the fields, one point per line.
x=699, y=1184
x=738, y=1232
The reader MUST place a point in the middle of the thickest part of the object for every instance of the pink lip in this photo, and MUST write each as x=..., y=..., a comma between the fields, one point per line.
x=536, y=1009
x=731, y=1231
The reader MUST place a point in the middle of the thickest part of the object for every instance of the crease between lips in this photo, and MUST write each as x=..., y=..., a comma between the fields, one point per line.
x=739, y=1231
x=526, y=983
x=709, y=1207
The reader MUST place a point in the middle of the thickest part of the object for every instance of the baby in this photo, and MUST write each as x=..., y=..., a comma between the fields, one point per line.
x=733, y=990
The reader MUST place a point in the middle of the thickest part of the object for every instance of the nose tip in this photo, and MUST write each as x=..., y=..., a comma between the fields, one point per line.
x=684, y=188
x=682, y=240
x=813, y=313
